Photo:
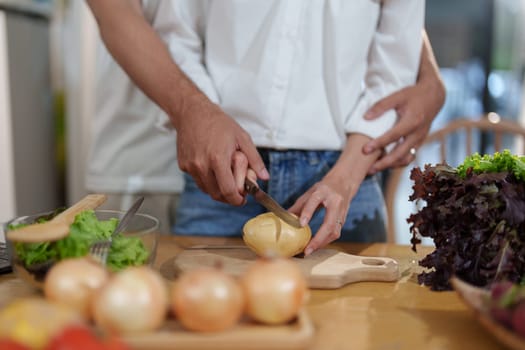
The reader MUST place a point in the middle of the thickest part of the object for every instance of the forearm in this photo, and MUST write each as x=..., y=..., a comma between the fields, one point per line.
x=352, y=166
x=428, y=74
x=144, y=56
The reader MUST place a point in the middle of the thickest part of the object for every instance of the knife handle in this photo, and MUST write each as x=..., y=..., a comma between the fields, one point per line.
x=250, y=186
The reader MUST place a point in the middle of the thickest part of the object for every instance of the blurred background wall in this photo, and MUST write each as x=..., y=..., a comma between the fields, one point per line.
x=30, y=178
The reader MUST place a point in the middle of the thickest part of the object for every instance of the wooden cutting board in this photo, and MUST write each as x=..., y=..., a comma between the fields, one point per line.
x=324, y=269
x=246, y=335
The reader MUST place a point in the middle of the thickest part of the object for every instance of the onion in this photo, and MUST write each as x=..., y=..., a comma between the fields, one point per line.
x=275, y=290
x=73, y=281
x=133, y=300
x=267, y=234
x=207, y=300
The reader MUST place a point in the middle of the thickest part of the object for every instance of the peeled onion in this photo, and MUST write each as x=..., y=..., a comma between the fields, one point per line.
x=275, y=290
x=133, y=300
x=267, y=234
x=73, y=281
x=207, y=300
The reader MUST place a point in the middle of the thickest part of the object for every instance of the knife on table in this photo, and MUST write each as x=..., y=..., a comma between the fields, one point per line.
x=269, y=203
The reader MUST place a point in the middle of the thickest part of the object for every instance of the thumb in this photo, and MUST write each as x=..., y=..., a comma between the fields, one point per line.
x=250, y=174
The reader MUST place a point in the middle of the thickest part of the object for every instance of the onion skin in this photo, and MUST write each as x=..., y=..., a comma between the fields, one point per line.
x=134, y=300
x=207, y=300
x=275, y=290
x=73, y=281
x=268, y=235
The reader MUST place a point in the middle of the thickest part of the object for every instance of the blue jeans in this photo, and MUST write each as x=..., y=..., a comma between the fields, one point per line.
x=292, y=172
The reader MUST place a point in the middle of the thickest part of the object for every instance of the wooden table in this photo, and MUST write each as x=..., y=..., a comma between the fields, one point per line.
x=366, y=315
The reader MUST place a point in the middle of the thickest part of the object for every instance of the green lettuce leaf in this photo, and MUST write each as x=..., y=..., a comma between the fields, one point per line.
x=498, y=162
x=84, y=231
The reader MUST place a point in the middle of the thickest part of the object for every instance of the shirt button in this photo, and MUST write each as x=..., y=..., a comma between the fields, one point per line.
x=280, y=84
x=270, y=135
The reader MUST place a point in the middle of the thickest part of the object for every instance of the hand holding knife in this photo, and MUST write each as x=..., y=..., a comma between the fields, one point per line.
x=269, y=203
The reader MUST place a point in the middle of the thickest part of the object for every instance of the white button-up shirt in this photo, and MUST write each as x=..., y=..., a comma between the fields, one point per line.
x=297, y=74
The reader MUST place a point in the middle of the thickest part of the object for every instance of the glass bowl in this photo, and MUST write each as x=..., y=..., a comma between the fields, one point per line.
x=142, y=227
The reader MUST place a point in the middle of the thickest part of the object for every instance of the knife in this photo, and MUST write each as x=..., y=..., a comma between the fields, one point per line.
x=269, y=203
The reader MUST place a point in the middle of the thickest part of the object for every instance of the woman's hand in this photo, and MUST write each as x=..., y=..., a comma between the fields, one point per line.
x=335, y=192
x=335, y=197
x=416, y=106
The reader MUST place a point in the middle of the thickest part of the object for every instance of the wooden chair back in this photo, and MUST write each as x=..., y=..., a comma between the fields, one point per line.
x=491, y=126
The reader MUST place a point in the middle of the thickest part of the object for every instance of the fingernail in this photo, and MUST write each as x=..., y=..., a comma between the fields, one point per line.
x=308, y=251
x=368, y=149
x=265, y=174
x=368, y=115
x=303, y=221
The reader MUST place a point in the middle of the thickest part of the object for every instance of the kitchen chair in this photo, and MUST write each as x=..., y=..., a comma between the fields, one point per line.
x=461, y=136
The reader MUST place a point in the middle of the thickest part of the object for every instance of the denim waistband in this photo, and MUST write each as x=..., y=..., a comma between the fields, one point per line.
x=311, y=156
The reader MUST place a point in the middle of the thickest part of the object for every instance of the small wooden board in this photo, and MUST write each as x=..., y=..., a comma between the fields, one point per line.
x=324, y=269
x=244, y=336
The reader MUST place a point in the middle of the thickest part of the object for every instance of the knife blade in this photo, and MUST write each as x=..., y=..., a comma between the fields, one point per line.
x=269, y=203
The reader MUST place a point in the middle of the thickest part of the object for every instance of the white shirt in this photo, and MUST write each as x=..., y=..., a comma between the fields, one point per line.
x=129, y=153
x=297, y=74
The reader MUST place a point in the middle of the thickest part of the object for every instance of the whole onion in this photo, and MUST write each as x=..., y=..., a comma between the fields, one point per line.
x=133, y=300
x=275, y=290
x=207, y=300
x=73, y=281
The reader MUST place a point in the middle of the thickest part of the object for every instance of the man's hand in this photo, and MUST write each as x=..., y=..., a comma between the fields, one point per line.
x=217, y=152
x=207, y=138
